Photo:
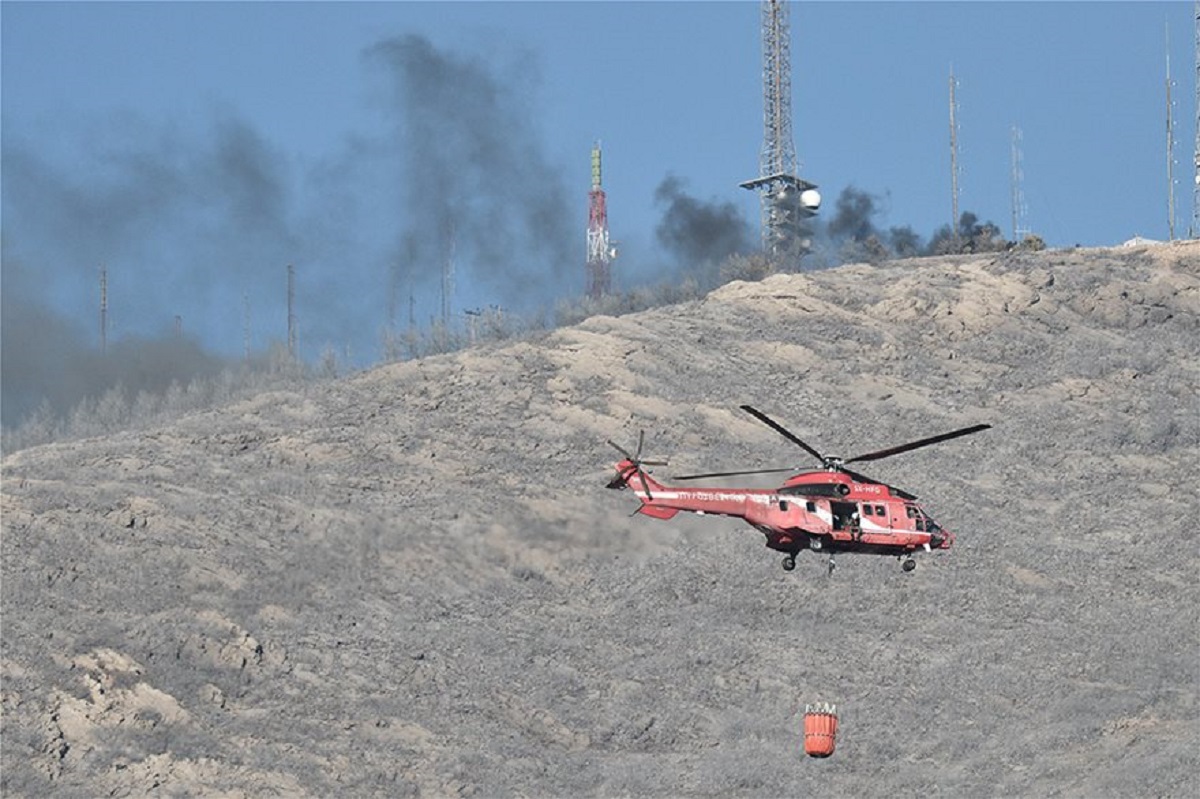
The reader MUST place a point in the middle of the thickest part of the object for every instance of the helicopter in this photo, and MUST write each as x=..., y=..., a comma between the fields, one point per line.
x=827, y=510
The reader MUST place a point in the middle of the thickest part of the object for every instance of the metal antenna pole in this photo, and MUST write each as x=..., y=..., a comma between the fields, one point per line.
x=1014, y=179
x=246, y=323
x=953, y=160
x=1196, y=176
x=291, y=310
x=393, y=289
x=1170, y=147
x=103, y=308
x=448, y=281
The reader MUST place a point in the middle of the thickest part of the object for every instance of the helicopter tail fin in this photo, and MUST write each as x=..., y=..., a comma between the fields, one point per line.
x=658, y=511
x=647, y=490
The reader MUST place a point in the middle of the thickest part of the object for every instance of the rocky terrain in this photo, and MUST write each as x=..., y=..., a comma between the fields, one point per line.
x=412, y=581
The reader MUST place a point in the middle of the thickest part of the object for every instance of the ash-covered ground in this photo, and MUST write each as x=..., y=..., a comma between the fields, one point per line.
x=412, y=581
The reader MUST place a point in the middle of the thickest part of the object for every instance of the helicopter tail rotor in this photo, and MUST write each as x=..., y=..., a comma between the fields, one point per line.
x=634, y=462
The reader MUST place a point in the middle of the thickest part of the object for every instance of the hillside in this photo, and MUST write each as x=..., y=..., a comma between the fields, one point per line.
x=412, y=581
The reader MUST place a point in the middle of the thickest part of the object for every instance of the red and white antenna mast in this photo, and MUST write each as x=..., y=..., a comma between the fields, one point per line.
x=600, y=252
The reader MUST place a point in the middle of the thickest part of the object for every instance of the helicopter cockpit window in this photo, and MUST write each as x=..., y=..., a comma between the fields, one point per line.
x=911, y=511
x=810, y=506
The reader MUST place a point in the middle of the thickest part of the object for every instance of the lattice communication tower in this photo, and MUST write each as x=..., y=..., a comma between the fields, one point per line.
x=788, y=202
x=1020, y=227
x=600, y=252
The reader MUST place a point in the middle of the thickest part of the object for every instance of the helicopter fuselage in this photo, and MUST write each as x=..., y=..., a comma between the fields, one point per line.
x=827, y=511
x=834, y=509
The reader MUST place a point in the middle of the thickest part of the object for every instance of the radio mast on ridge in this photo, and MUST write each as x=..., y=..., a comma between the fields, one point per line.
x=600, y=252
x=1196, y=187
x=787, y=200
x=1170, y=147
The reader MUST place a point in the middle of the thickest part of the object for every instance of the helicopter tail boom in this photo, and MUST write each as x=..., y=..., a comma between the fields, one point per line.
x=630, y=476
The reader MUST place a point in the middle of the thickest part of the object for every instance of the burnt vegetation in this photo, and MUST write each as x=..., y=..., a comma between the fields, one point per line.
x=410, y=579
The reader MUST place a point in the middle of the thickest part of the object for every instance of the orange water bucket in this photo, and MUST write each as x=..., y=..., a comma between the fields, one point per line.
x=820, y=729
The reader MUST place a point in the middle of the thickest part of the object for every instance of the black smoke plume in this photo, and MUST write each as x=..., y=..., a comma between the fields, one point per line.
x=700, y=235
x=851, y=234
x=186, y=229
x=46, y=361
x=475, y=177
x=968, y=236
x=852, y=216
x=203, y=225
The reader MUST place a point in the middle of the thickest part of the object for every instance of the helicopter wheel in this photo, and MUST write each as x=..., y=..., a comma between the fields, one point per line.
x=909, y=565
x=789, y=563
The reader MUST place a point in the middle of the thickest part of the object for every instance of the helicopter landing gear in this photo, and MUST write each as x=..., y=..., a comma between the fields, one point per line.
x=789, y=563
x=908, y=565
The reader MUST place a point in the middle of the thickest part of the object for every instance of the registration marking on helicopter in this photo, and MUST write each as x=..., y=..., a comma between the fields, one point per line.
x=709, y=496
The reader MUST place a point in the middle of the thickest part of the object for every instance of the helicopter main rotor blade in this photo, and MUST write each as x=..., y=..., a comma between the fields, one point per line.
x=887, y=453
x=632, y=459
x=862, y=478
x=732, y=474
x=621, y=450
x=778, y=428
x=645, y=485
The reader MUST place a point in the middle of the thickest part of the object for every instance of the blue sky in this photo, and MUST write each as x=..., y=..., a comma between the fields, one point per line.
x=197, y=148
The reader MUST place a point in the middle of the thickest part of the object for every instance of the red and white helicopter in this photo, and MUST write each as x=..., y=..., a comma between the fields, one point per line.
x=832, y=509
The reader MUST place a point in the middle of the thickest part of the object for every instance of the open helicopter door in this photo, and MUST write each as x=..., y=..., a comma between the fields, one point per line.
x=842, y=513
